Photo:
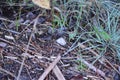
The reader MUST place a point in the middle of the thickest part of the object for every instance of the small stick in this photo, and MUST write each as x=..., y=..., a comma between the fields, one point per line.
x=52, y=65
x=3, y=70
x=58, y=73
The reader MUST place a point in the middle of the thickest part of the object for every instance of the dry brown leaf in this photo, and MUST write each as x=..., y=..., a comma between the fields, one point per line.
x=42, y=3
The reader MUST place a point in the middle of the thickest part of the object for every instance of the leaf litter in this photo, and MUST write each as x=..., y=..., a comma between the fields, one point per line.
x=44, y=57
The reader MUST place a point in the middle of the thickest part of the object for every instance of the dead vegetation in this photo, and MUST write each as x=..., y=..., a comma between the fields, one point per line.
x=75, y=40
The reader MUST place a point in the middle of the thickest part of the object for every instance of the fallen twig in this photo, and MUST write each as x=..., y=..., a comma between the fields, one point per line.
x=93, y=68
x=52, y=65
x=3, y=70
x=83, y=46
x=21, y=47
x=58, y=73
x=27, y=48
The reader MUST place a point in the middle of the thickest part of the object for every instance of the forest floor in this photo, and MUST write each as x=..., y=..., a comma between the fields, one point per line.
x=37, y=44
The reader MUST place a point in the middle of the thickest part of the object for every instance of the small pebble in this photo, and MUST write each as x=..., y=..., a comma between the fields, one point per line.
x=61, y=41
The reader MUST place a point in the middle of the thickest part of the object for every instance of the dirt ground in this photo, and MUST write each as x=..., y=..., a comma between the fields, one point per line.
x=28, y=47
